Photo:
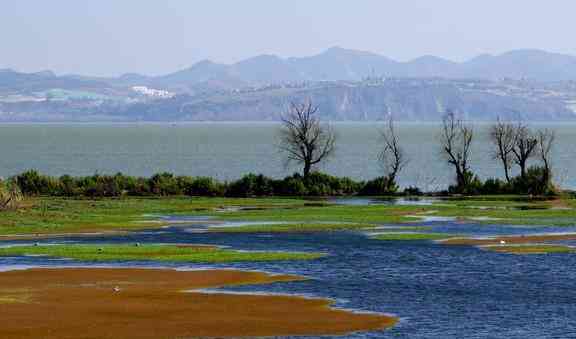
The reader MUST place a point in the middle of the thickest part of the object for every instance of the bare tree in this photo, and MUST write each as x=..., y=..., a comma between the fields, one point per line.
x=502, y=135
x=525, y=143
x=455, y=139
x=545, y=138
x=392, y=156
x=303, y=138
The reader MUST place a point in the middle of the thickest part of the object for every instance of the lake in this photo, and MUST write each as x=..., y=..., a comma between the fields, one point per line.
x=229, y=150
x=437, y=291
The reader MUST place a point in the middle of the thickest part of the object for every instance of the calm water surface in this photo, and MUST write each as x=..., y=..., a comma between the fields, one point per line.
x=437, y=291
x=229, y=150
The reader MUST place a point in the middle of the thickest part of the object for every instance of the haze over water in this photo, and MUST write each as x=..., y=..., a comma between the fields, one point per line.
x=229, y=150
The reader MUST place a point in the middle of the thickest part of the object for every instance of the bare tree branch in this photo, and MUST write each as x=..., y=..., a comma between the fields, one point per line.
x=546, y=139
x=392, y=157
x=525, y=143
x=303, y=138
x=502, y=136
x=456, y=140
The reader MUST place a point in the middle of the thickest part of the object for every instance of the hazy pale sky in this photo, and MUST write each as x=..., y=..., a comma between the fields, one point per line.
x=110, y=37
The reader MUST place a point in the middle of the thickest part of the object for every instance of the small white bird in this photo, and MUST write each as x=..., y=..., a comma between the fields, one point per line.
x=116, y=289
x=502, y=242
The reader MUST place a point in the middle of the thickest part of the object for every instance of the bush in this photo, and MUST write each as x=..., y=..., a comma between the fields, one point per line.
x=379, y=186
x=536, y=181
x=204, y=186
x=101, y=186
x=33, y=183
x=472, y=185
x=496, y=186
x=164, y=184
x=319, y=184
x=68, y=187
x=291, y=186
x=412, y=190
x=251, y=185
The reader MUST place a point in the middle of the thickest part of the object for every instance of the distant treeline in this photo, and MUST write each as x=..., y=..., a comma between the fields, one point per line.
x=33, y=183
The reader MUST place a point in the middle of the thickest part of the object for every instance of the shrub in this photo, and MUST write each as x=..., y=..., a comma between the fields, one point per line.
x=101, y=186
x=495, y=186
x=291, y=186
x=205, y=186
x=164, y=184
x=536, y=181
x=33, y=183
x=319, y=184
x=379, y=186
x=251, y=185
x=68, y=187
x=472, y=185
x=412, y=190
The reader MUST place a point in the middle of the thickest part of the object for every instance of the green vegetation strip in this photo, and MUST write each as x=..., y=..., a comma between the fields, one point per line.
x=413, y=236
x=195, y=254
x=510, y=210
x=60, y=215
x=375, y=214
x=292, y=227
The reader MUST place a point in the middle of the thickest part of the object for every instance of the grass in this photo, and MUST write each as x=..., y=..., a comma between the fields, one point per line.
x=412, y=236
x=172, y=253
x=58, y=215
x=375, y=214
x=530, y=249
x=512, y=210
x=293, y=227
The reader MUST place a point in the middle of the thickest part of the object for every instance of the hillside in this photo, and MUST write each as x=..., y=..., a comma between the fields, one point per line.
x=346, y=84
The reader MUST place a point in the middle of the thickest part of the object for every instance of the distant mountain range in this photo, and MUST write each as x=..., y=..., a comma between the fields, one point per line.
x=339, y=64
x=351, y=85
x=343, y=64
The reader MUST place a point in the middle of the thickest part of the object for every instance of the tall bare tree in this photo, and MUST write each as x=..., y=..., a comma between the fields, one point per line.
x=502, y=135
x=392, y=156
x=525, y=143
x=303, y=138
x=546, y=139
x=456, y=139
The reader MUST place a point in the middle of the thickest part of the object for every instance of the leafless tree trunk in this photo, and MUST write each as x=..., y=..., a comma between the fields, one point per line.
x=525, y=144
x=455, y=139
x=546, y=140
x=303, y=138
x=392, y=156
x=502, y=135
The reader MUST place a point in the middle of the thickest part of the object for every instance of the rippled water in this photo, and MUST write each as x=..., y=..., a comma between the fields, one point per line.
x=229, y=150
x=437, y=291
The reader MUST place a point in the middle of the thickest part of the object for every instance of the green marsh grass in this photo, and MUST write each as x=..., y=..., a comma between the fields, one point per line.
x=172, y=253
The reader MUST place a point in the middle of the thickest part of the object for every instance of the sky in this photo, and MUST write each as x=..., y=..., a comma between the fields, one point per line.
x=112, y=37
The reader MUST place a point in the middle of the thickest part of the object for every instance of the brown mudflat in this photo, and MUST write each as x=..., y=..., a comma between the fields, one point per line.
x=527, y=239
x=146, y=303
